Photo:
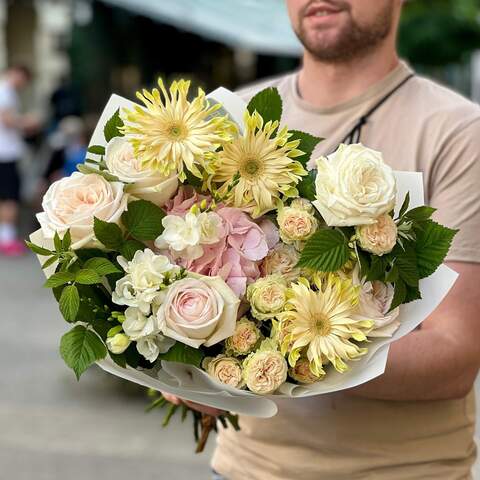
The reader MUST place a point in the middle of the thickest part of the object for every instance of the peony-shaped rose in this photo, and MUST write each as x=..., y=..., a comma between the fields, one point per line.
x=354, y=186
x=282, y=260
x=267, y=296
x=73, y=202
x=118, y=343
x=245, y=338
x=144, y=182
x=264, y=371
x=297, y=223
x=227, y=370
x=379, y=237
x=301, y=372
x=198, y=310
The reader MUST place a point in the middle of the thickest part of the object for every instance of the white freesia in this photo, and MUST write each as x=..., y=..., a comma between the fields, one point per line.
x=210, y=227
x=144, y=182
x=138, y=325
x=182, y=235
x=150, y=347
x=118, y=343
x=73, y=202
x=198, y=310
x=354, y=186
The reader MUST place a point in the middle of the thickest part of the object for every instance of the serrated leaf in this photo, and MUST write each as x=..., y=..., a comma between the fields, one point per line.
x=58, y=279
x=69, y=302
x=87, y=276
x=85, y=254
x=326, y=251
x=183, y=354
x=86, y=170
x=307, y=144
x=80, y=348
x=67, y=241
x=420, y=214
x=306, y=186
x=110, y=234
x=399, y=294
x=143, y=220
x=267, y=103
x=38, y=249
x=405, y=204
x=413, y=293
x=112, y=127
x=129, y=248
x=102, y=266
x=377, y=268
x=392, y=275
x=96, y=149
x=432, y=245
x=406, y=262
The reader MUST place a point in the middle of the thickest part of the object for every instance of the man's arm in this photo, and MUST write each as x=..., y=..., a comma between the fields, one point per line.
x=441, y=360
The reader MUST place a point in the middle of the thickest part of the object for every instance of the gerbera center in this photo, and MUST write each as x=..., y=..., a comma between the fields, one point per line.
x=251, y=167
x=322, y=325
x=175, y=131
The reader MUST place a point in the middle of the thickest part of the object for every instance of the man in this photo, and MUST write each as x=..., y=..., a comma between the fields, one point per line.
x=416, y=421
x=12, y=126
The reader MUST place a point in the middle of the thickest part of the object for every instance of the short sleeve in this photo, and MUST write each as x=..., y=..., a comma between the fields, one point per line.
x=454, y=187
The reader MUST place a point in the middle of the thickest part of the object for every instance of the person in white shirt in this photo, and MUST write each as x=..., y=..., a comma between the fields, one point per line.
x=12, y=148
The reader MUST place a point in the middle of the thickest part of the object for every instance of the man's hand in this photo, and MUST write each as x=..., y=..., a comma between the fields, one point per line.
x=441, y=360
x=214, y=412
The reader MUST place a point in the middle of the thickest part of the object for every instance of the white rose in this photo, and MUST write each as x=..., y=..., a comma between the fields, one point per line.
x=182, y=236
x=378, y=238
x=73, y=202
x=118, y=343
x=137, y=325
x=150, y=347
x=198, y=310
x=354, y=186
x=145, y=182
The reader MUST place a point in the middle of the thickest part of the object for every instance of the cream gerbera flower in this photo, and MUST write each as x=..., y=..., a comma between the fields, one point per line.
x=172, y=132
x=321, y=324
x=262, y=160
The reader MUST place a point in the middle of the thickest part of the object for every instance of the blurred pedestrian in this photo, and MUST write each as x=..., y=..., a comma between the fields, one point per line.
x=13, y=126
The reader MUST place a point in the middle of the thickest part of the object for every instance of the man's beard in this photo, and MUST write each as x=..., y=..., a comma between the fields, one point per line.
x=352, y=41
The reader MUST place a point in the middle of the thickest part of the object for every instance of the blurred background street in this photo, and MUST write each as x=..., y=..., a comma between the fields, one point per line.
x=79, y=52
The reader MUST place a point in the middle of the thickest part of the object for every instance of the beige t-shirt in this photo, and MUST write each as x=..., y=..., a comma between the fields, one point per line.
x=422, y=127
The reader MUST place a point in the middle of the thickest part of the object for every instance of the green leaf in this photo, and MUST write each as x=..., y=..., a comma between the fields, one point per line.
x=97, y=149
x=57, y=241
x=377, y=268
x=306, y=186
x=326, y=251
x=267, y=103
x=69, y=303
x=49, y=261
x=86, y=170
x=413, y=293
x=80, y=348
x=85, y=254
x=406, y=262
x=38, y=249
x=405, y=204
x=399, y=294
x=307, y=144
x=129, y=248
x=67, y=241
x=58, y=279
x=102, y=266
x=87, y=276
x=110, y=234
x=112, y=127
x=420, y=214
x=364, y=264
x=432, y=245
x=101, y=326
x=143, y=220
x=183, y=354
x=392, y=274
x=119, y=359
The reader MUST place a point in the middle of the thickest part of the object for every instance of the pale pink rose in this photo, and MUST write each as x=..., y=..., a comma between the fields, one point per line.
x=184, y=200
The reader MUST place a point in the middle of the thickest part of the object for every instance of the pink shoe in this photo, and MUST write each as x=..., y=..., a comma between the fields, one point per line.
x=14, y=248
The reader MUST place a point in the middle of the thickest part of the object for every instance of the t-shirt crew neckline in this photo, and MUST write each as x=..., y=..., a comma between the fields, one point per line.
x=399, y=73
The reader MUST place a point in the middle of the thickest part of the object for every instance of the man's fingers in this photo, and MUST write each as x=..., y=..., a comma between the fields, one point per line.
x=172, y=398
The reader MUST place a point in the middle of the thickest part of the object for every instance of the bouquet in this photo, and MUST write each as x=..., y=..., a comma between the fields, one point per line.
x=201, y=251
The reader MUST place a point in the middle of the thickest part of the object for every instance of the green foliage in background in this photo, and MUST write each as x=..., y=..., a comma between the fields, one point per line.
x=439, y=32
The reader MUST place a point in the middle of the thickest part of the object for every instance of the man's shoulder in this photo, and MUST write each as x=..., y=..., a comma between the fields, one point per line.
x=281, y=82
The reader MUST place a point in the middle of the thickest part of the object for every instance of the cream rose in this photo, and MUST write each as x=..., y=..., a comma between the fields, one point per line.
x=282, y=260
x=296, y=223
x=227, y=370
x=354, y=186
x=265, y=371
x=118, y=343
x=378, y=238
x=301, y=372
x=198, y=310
x=145, y=182
x=73, y=202
x=245, y=338
x=267, y=296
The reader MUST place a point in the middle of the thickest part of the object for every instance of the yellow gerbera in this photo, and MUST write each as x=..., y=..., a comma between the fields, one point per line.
x=321, y=323
x=262, y=159
x=170, y=133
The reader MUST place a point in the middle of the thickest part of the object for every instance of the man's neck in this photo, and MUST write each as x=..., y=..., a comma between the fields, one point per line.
x=325, y=85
